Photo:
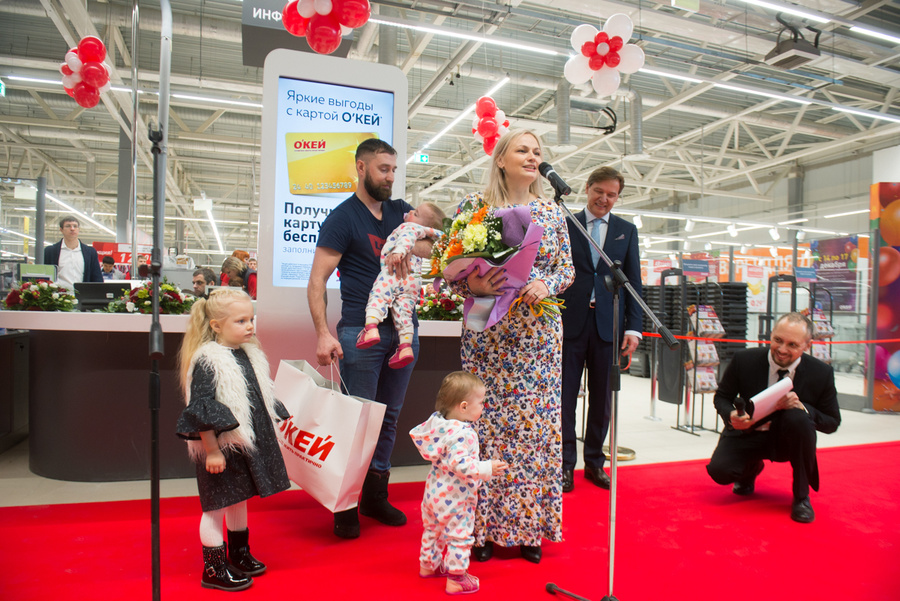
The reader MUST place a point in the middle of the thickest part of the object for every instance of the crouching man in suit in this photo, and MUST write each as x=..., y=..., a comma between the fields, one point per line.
x=789, y=433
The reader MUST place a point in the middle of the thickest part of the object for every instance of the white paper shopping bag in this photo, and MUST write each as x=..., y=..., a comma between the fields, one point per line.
x=328, y=442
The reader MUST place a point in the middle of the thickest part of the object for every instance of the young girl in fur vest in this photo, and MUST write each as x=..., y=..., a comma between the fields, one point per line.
x=228, y=425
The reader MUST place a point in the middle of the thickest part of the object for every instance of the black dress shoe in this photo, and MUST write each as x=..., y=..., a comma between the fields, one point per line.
x=746, y=485
x=568, y=481
x=483, y=553
x=597, y=475
x=802, y=511
x=531, y=553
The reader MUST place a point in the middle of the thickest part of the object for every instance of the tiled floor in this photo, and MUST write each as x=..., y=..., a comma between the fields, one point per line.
x=654, y=441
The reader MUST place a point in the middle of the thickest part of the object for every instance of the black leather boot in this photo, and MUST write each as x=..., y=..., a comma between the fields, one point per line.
x=216, y=573
x=373, y=502
x=239, y=558
x=346, y=523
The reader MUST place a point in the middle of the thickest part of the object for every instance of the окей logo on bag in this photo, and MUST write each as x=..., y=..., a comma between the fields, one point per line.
x=305, y=445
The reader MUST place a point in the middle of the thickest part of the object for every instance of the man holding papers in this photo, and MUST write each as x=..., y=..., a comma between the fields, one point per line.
x=788, y=432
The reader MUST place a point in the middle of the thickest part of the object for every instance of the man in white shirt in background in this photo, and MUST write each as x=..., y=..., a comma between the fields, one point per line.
x=75, y=261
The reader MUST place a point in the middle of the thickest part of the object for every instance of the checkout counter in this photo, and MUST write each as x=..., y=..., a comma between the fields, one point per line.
x=88, y=397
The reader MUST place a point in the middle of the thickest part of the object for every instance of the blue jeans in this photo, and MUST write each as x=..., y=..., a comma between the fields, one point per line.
x=366, y=374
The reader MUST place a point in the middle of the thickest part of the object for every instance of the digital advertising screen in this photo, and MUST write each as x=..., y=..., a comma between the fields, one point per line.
x=318, y=127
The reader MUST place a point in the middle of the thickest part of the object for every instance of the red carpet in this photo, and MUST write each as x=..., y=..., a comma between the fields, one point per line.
x=679, y=536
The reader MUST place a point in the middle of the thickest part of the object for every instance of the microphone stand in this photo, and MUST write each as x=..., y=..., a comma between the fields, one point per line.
x=614, y=283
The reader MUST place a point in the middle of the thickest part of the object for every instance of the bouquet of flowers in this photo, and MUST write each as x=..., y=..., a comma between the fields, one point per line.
x=440, y=306
x=480, y=238
x=40, y=296
x=172, y=300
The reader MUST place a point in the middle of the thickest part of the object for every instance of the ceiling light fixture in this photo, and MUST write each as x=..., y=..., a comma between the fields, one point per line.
x=869, y=114
x=687, y=245
x=670, y=75
x=689, y=225
x=773, y=251
x=744, y=248
x=80, y=214
x=774, y=95
x=707, y=246
x=859, y=212
x=459, y=118
x=212, y=223
x=793, y=221
x=789, y=9
x=638, y=223
x=774, y=233
x=462, y=35
x=875, y=34
x=732, y=230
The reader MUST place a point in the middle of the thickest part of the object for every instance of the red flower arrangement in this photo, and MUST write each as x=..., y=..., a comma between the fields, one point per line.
x=40, y=296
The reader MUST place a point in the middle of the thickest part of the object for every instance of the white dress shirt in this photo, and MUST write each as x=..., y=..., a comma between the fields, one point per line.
x=70, y=268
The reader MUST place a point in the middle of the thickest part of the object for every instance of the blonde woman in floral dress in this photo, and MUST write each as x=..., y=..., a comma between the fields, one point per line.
x=519, y=360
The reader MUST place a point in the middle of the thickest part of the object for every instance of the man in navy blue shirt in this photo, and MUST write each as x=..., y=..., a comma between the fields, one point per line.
x=350, y=241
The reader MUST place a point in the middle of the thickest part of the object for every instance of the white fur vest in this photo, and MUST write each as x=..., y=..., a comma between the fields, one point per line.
x=232, y=391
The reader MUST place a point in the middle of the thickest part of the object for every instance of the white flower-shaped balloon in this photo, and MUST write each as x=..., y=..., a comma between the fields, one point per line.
x=603, y=55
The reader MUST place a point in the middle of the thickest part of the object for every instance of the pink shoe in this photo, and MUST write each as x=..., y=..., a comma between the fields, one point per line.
x=403, y=357
x=439, y=572
x=368, y=336
x=461, y=584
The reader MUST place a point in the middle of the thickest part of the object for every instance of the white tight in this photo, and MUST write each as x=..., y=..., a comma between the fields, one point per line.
x=211, y=533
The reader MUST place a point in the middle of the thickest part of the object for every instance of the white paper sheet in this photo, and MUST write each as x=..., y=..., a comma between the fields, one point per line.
x=764, y=402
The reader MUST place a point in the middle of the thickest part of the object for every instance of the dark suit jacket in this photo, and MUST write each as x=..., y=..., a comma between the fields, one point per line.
x=92, y=271
x=621, y=244
x=748, y=374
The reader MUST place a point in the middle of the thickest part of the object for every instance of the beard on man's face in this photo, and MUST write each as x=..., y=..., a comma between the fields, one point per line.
x=380, y=194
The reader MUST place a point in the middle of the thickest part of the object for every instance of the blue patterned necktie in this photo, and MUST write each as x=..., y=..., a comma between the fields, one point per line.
x=596, y=235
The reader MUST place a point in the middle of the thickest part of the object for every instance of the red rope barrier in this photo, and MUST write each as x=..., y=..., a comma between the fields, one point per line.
x=657, y=335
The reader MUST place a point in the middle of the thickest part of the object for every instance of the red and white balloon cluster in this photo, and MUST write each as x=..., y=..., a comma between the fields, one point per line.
x=84, y=74
x=603, y=55
x=323, y=22
x=489, y=123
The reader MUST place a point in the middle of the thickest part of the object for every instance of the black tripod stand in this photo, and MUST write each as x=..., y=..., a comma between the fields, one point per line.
x=614, y=283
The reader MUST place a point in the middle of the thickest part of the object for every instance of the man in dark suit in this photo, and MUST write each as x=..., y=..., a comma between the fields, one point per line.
x=74, y=260
x=787, y=434
x=588, y=321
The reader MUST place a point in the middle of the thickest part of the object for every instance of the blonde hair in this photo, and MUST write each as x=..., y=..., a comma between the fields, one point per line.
x=497, y=194
x=199, y=331
x=436, y=220
x=454, y=389
x=233, y=264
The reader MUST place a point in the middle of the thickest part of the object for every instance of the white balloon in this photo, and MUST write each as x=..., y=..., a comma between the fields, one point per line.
x=73, y=61
x=479, y=137
x=502, y=130
x=602, y=48
x=306, y=8
x=582, y=34
x=577, y=70
x=606, y=81
x=475, y=121
x=345, y=31
x=323, y=7
x=619, y=25
x=69, y=81
x=105, y=87
x=500, y=116
x=632, y=58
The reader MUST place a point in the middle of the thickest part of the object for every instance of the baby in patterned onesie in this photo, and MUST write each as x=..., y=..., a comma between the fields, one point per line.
x=449, y=442
x=401, y=295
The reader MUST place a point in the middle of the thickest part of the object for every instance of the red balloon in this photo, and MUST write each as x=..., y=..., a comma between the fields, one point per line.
x=94, y=74
x=888, y=265
x=86, y=95
x=292, y=21
x=485, y=106
x=601, y=37
x=70, y=92
x=616, y=43
x=589, y=49
x=596, y=62
x=488, y=127
x=351, y=13
x=490, y=144
x=323, y=33
x=90, y=48
x=65, y=69
x=612, y=59
x=888, y=192
x=506, y=123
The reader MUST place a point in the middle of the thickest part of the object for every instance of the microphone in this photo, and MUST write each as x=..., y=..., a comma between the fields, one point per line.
x=561, y=187
x=740, y=404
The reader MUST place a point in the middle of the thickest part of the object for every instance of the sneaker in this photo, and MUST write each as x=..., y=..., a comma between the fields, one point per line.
x=461, y=584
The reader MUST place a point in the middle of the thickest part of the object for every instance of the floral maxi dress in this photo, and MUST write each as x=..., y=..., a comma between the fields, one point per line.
x=520, y=361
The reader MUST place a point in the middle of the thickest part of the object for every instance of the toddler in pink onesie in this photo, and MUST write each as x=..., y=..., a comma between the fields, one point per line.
x=448, y=440
x=401, y=295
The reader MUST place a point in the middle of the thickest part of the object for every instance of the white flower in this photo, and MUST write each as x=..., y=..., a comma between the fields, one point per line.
x=54, y=286
x=129, y=306
x=43, y=284
x=55, y=295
